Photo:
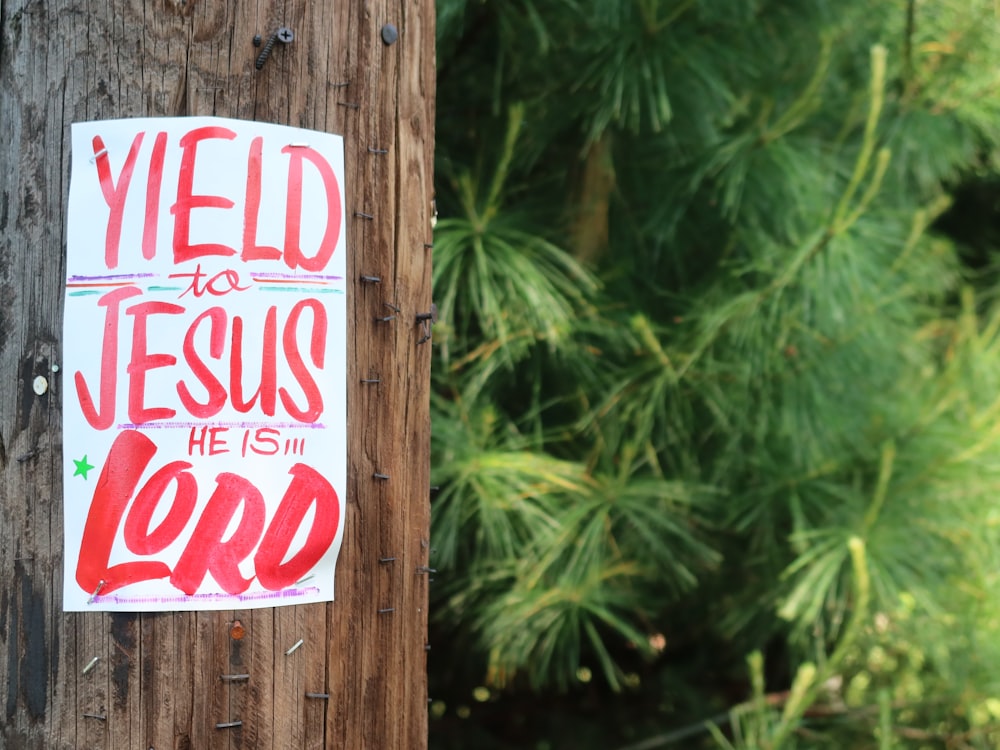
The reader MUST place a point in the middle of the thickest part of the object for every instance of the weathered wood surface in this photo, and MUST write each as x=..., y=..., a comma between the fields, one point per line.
x=157, y=681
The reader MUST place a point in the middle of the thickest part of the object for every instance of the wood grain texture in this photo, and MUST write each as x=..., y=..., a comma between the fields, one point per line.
x=157, y=682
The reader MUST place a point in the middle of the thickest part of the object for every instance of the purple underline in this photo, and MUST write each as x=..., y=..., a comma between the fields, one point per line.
x=254, y=597
x=293, y=277
x=188, y=425
x=113, y=277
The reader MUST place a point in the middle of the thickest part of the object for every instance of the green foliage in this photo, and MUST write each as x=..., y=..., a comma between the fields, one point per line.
x=710, y=379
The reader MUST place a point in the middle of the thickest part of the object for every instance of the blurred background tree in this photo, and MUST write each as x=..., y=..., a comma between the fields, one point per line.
x=717, y=374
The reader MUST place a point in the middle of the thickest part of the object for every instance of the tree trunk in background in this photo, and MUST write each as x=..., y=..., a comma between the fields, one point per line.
x=157, y=681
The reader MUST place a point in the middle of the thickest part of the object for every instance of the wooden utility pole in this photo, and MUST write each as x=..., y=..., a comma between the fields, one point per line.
x=360, y=68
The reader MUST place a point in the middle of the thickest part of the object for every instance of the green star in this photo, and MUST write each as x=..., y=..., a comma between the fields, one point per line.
x=82, y=467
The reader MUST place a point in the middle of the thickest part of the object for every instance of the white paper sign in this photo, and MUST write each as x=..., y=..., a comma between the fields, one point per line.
x=204, y=347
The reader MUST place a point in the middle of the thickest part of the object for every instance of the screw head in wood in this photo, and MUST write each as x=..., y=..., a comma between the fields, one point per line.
x=286, y=35
x=237, y=631
x=389, y=34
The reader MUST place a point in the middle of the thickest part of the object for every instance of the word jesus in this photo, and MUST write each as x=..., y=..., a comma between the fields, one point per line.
x=141, y=361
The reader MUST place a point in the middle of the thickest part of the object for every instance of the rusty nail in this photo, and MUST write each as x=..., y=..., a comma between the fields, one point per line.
x=431, y=315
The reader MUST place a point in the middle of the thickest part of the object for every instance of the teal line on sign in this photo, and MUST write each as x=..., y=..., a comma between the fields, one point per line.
x=86, y=292
x=163, y=288
x=309, y=289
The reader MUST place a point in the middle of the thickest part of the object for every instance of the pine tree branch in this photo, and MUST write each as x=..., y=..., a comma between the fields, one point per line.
x=590, y=226
x=806, y=102
x=911, y=8
x=877, y=92
x=881, y=487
